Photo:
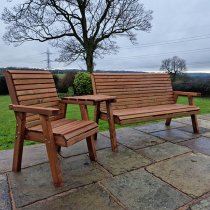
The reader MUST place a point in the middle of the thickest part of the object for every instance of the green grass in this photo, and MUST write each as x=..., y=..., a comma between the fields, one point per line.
x=7, y=119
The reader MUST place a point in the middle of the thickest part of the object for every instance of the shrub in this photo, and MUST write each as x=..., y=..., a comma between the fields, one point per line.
x=201, y=87
x=3, y=86
x=56, y=80
x=66, y=82
x=82, y=84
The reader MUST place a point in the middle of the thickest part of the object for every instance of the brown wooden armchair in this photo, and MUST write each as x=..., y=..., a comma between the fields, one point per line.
x=40, y=117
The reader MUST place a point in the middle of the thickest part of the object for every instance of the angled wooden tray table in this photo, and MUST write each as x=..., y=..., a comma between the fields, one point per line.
x=96, y=100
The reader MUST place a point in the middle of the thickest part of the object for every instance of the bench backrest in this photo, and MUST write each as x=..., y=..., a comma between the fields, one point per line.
x=134, y=90
x=33, y=88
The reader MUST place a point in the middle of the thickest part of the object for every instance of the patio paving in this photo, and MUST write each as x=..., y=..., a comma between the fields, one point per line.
x=156, y=168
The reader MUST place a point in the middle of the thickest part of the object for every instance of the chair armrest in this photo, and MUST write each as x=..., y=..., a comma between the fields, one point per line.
x=192, y=94
x=34, y=110
x=88, y=99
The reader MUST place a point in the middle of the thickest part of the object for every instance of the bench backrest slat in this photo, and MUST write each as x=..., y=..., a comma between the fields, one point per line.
x=134, y=90
x=33, y=88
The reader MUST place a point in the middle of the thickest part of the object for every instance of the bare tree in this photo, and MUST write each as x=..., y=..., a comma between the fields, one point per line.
x=82, y=29
x=173, y=66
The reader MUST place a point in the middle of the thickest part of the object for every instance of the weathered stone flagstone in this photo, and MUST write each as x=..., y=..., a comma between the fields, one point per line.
x=121, y=161
x=135, y=139
x=5, y=203
x=87, y=198
x=190, y=129
x=189, y=173
x=204, y=117
x=35, y=183
x=163, y=151
x=174, y=135
x=140, y=190
x=201, y=122
x=201, y=144
x=207, y=134
x=32, y=155
x=81, y=147
x=158, y=127
x=202, y=205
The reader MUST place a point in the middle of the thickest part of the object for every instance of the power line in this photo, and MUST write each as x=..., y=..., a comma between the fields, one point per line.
x=165, y=53
x=173, y=41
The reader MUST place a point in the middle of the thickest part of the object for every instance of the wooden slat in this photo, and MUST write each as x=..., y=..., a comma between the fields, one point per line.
x=38, y=101
x=32, y=81
x=32, y=76
x=35, y=91
x=28, y=71
x=37, y=96
x=31, y=87
x=166, y=116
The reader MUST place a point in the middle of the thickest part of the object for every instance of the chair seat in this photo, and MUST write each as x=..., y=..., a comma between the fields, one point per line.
x=66, y=132
x=123, y=115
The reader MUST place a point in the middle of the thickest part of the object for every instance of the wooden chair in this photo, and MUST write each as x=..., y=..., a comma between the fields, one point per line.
x=140, y=97
x=40, y=117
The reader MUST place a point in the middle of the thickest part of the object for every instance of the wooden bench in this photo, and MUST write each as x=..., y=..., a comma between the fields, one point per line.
x=140, y=97
x=40, y=117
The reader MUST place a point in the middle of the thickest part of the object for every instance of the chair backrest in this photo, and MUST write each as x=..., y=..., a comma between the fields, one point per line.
x=134, y=90
x=33, y=88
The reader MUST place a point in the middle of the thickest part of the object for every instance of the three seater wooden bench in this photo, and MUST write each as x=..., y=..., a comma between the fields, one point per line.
x=140, y=97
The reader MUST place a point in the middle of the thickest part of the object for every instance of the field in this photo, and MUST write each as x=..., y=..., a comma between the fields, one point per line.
x=7, y=119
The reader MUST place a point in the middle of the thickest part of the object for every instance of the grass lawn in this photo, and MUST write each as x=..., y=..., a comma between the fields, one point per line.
x=7, y=119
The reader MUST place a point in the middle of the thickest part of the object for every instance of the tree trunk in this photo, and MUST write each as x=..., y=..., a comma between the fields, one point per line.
x=89, y=62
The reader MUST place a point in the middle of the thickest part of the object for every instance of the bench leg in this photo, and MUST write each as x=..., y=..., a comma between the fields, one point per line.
x=91, y=147
x=168, y=121
x=18, y=147
x=195, y=123
x=112, y=130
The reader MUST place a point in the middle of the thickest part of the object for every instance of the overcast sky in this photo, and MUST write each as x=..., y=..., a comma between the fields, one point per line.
x=179, y=27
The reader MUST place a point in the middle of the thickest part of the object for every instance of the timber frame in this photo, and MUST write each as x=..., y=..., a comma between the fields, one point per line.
x=140, y=97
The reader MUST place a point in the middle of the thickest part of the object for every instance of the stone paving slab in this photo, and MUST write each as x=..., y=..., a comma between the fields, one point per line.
x=32, y=155
x=174, y=135
x=201, y=145
x=163, y=151
x=189, y=173
x=190, y=130
x=158, y=127
x=81, y=147
x=139, y=190
x=121, y=161
x=35, y=183
x=5, y=203
x=135, y=139
x=202, y=205
x=86, y=198
x=201, y=122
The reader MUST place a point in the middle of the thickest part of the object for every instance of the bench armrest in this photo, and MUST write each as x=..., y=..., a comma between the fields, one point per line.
x=88, y=99
x=34, y=110
x=191, y=94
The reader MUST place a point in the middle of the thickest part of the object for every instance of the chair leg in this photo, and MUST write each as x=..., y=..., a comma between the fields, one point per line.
x=18, y=153
x=54, y=165
x=91, y=147
x=52, y=151
x=195, y=123
x=168, y=121
x=18, y=147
